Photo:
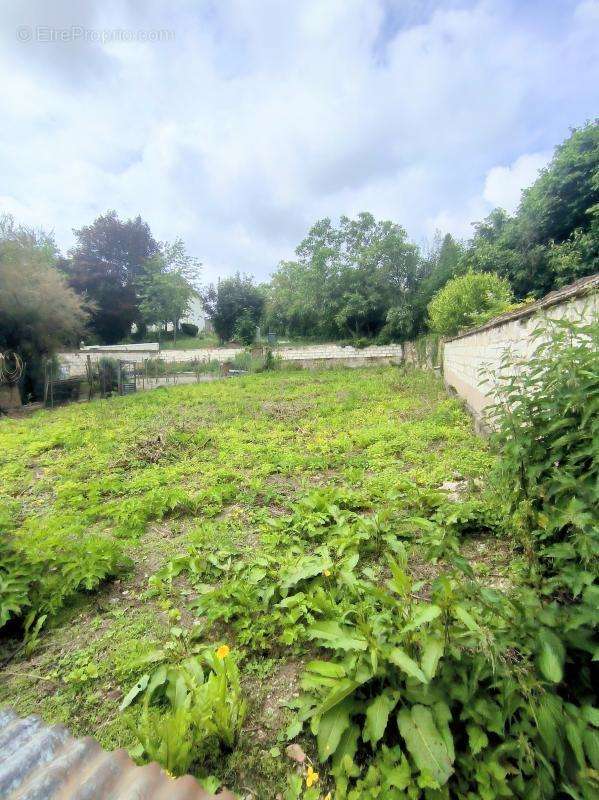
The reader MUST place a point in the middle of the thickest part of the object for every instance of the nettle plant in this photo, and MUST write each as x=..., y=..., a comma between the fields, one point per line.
x=456, y=696
x=459, y=690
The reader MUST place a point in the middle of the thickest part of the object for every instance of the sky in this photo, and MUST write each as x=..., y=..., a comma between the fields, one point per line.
x=236, y=124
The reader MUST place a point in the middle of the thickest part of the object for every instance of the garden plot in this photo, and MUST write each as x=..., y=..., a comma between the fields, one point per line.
x=227, y=519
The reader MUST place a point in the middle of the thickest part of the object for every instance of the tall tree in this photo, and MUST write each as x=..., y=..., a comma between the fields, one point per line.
x=166, y=286
x=38, y=310
x=553, y=238
x=105, y=265
x=345, y=279
x=442, y=262
x=231, y=299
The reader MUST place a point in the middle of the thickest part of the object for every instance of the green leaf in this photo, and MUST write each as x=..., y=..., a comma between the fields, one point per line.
x=424, y=615
x=477, y=739
x=402, y=660
x=333, y=635
x=424, y=743
x=551, y=655
x=139, y=687
x=465, y=617
x=342, y=690
x=591, y=715
x=575, y=741
x=348, y=746
x=431, y=655
x=442, y=716
x=377, y=716
x=331, y=728
x=326, y=668
x=590, y=739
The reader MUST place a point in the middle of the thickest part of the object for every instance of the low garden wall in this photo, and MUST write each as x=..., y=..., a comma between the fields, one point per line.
x=472, y=356
x=306, y=356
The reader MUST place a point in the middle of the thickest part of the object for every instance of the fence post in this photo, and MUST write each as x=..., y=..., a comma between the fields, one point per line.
x=90, y=378
x=46, y=383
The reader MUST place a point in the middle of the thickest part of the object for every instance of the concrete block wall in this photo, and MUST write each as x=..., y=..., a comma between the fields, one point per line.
x=332, y=354
x=470, y=358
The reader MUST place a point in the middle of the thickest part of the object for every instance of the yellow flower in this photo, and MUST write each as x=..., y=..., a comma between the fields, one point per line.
x=223, y=651
x=311, y=777
x=327, y=573
x=328, y=796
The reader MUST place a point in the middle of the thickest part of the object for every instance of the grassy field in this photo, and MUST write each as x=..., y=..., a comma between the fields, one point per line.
x=191, y=499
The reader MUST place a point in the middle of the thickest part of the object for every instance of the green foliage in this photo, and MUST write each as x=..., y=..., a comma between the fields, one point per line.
x=191, y=707
x=468, y=300
x=165, y=286
x=298, y=517
x=231, y=299
x=38, y=311
x=41, y=568
x=245, y=328
x=189, y=329
x=345, y=280
x=554, y=237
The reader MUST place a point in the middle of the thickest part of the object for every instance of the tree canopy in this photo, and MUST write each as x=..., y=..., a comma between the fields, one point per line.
x=346, y=279
x=231, y=299
x=105, y=266
x=165, y=286
x=39, y=312
x=553, y=239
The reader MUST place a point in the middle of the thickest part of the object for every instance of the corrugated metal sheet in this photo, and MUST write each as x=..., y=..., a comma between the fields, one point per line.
x=41, y=762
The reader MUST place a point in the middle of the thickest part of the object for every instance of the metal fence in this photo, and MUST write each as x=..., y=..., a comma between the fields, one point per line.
x=108, y=377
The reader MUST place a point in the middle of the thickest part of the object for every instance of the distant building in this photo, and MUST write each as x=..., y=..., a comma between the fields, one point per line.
x=195, y=316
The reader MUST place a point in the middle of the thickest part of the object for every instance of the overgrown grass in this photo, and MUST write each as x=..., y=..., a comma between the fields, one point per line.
x=155, y=475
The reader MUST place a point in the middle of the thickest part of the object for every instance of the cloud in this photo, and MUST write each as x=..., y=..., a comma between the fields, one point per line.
x=253, y=120
x=503, y=185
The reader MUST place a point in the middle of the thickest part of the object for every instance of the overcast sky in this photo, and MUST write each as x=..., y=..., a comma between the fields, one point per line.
x=249, y=119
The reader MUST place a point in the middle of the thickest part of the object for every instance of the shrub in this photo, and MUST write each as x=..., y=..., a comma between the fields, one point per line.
x=547, y=416
x=42, y=568
x=189, y=329
x=468, y=300
x=245, y=328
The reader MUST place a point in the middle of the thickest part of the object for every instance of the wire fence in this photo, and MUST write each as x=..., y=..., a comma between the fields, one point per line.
x=108, y=377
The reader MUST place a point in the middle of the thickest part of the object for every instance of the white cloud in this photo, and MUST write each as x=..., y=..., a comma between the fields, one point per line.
x=503, y=185
x=261, y=117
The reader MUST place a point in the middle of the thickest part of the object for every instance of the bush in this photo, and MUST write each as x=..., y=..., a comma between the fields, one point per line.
x=468, y=300
x=41, y=568
x=188, y=329
x=245, y=328
x=548, y=426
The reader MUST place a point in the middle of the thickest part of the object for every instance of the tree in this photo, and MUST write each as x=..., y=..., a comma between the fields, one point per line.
x=38, y=311
x=166, y=286
x=553, y=238
x=468, y=300
x=245, y=328
x=345, y=279
x=442, y=262
x=105, y=266
x=231, y=298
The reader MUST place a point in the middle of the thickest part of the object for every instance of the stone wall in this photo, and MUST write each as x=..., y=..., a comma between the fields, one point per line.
x=468, y=357
x=308, y=356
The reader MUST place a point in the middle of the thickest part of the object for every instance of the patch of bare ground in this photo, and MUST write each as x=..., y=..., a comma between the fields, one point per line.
x=268, y=700
x=489, y=556
x=285, y=409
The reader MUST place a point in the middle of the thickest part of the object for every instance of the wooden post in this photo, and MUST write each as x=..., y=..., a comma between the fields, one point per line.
x=90, y=377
